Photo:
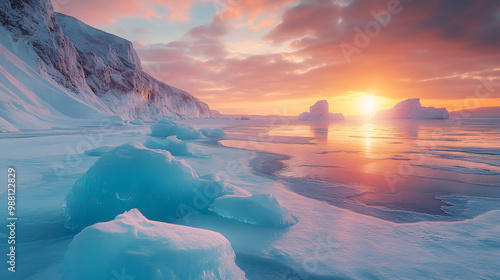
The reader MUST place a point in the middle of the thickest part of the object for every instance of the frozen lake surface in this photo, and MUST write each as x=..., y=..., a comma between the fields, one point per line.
x=388, y=199
x=415, y=166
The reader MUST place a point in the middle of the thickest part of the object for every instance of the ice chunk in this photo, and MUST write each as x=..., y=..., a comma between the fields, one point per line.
x=320, y=112
x=166, y=128
x=97, y=152
x=175, y=146
x=133, y=247
x=245, y=118
x=216, y=132
x=258, y=209
x=412, y=109
x=132, y=176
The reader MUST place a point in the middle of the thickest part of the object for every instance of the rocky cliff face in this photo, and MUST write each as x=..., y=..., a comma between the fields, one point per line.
x=82, y=58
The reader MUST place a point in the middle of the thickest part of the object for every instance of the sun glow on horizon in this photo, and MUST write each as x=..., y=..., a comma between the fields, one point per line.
x=369, y=104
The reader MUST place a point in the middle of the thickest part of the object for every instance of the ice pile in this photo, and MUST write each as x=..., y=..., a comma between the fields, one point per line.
x=258, y=209
x=175, y=146
x=320, y=112
x=99, y=151
x=134, y=247
x=165, y=128
x=412, y=109
x=132, y=176
x=216, y=132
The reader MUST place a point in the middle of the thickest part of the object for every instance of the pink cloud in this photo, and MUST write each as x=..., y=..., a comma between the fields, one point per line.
x=107, y=12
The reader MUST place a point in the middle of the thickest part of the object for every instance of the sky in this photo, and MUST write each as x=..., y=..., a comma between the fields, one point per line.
x=280, y=56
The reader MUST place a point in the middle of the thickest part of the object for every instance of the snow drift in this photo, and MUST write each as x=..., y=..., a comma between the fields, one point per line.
x=132, y=176
x=412, y=109
x=136, y=247
x=320, y=111
x=258, y=209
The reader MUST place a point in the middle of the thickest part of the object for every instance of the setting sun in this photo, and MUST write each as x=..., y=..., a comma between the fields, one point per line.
x=369, y=104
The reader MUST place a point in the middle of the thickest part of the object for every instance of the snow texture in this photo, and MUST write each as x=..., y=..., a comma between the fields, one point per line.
x=320, y=111
x=134, y=247
x=132, y=176
x=165, y=128
x=258, y=209
x=412, y=109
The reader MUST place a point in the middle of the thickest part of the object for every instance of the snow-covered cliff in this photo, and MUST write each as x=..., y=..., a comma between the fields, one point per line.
x=89, y=63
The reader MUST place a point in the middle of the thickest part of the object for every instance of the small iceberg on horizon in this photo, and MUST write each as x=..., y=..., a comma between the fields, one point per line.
x=320, y=111
x=412, y=109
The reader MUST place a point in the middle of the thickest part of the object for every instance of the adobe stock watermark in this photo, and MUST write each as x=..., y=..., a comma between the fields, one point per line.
x=363, y=37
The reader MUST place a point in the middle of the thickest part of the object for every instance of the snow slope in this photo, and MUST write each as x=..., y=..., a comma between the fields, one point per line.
x=28, y=99
x=55, y=70
x=412, y=109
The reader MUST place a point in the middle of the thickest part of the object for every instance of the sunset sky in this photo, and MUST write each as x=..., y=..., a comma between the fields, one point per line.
x=280, y=56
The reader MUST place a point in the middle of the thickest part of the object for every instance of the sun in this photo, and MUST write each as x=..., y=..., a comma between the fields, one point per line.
x=369, y=104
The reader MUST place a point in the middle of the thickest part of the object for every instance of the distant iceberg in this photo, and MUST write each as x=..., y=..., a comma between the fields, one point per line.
x=133, y=247
x=412, y=109
x=320, y=112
